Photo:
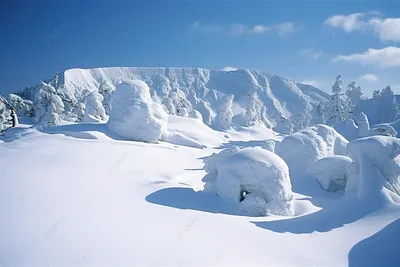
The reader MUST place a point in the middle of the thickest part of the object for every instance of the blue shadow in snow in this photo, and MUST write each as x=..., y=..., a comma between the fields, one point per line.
x=380, y=249
x=188, y=199
x=344, y=211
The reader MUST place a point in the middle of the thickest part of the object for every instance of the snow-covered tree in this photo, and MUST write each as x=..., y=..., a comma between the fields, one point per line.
x=94, y=110
x=375, y=94
x=177, y=104
x=354, y=94
x=4, y=114
x=22, y=106
x=224, y=116
x=387, y=106
x=337, y=109
x=253, y=109
x=106, y=89
x=48, y=106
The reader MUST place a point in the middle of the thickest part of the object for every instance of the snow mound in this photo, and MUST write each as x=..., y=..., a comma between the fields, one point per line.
x=332, y=172
x=259, y=176
x=177, y=138
x=212, y=163
x=301, y=149
x=377, y=164
x=134, y=115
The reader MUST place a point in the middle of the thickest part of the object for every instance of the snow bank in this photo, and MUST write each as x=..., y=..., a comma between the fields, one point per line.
x=134, y=115
x=377, y=164
x=177, y=138
x=332, y=172
x=254, y=178
x=301, y=149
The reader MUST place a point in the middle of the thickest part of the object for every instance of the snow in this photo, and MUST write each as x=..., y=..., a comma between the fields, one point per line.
x=301, y=149
x=134, y=115
x=94, y=110
x=377, y=160
x=260, y=173
x=332, y=172
x=78, y=197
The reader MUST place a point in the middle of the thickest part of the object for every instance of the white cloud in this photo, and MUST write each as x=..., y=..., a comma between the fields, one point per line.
x=311, y=53
x=387, y=29
x=228, y=68
x=310, y=82
x=243, y=30
x=369, y=77
x=385, y=57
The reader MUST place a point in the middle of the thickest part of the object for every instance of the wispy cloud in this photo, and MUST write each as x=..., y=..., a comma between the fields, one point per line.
x=387, y=29
x=311, y=53
x=369, y=77
x=386, y=57
x=238, y=29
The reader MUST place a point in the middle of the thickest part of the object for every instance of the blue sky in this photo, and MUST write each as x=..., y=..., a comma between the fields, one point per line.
x=311, y=41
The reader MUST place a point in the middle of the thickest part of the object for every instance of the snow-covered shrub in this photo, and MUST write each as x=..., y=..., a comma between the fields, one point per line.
x=48, y=106
x=134, y=115
x=269, y=145
x=94, y=110
x=259, y=176
x=22, y=106
x=376, y=163
x=224, y=116
x=4, y=114
x=383, y=129
x=177, y=104
x=301, y=149
x=331, y=172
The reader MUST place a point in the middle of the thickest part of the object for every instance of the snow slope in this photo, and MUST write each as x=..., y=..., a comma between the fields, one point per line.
x=75, y=196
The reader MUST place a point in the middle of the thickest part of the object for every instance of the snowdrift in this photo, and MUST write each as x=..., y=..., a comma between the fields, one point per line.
x=255, y=179
x=301, y=149
x=134, y=115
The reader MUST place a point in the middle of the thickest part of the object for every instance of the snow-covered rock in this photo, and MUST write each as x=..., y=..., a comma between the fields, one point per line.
x=259, y=176
x=377, y=164
x=134, y=115
x=331, y=172
x=301, y=149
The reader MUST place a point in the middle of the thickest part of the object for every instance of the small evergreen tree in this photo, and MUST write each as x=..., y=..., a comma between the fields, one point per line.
x=337, y=109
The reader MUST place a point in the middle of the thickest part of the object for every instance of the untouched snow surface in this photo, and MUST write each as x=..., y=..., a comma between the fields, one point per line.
x=73, y=196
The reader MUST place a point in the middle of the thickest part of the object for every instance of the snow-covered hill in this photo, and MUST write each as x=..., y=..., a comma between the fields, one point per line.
x=257, y=96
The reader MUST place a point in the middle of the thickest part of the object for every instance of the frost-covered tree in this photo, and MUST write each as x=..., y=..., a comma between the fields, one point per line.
x=22, y=106
x=253, y=109
x=106, y=89
x=375, y=94
x=4, y=114
x=387, y=106
x=354, y=94
x=223, y=120
x=177, y=104
x=337, y=109
x=94, y=110
x=48, y=106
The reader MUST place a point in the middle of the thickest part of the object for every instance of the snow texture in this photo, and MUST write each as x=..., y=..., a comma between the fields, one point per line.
x=134, y=115
x=301, y=149
x=269, y=145
x=263, y=176
x=332, y=172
